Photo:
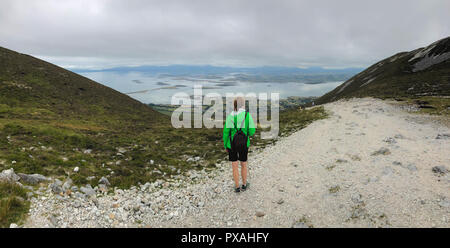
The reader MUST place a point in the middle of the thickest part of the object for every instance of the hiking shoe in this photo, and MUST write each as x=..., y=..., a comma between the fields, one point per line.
x=244, y=187
x=237, y=190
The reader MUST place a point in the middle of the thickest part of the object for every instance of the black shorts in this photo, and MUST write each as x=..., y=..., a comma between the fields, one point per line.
x=235, y=155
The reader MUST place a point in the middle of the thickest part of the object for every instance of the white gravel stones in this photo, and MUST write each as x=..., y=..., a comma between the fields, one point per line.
x=373, y=192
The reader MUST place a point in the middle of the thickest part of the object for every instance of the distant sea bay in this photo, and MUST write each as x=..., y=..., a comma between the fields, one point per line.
x=159, y=89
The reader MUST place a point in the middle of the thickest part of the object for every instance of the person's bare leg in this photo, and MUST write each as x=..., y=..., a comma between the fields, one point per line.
x=244, y=172
x=235, y=173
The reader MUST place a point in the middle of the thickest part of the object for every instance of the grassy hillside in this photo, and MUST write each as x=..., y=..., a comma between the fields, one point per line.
x=53, y=120
x=422, y=72
x=34, y=88
x=13, y=204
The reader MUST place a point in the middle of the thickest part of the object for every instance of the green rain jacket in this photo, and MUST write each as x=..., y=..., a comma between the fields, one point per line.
x=248, y=127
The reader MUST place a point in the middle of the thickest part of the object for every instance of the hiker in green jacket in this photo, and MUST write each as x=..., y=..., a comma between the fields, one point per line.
x=239, y=126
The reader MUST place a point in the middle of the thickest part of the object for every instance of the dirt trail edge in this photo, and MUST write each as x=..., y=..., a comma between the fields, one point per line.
x=369, y=164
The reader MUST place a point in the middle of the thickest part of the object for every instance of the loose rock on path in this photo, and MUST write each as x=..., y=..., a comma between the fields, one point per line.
x=369, y=164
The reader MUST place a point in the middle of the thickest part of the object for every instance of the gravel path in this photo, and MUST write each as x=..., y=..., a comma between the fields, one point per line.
x=369, y=165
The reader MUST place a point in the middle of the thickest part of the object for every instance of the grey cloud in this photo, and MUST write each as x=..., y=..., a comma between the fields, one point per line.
x=330, y=33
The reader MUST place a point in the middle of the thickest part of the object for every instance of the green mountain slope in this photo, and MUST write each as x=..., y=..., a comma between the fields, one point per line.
x=53, y=120
x=27, y=83
x=422, y=72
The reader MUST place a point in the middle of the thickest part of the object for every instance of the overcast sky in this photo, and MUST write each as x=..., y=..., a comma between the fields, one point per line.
x=330, y=33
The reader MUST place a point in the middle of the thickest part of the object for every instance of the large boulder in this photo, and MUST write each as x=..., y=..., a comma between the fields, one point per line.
x=33, y=178
x=9, y=176
x=88, y=190
x=67, y=185
x=56, y=187
x=104, y=181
